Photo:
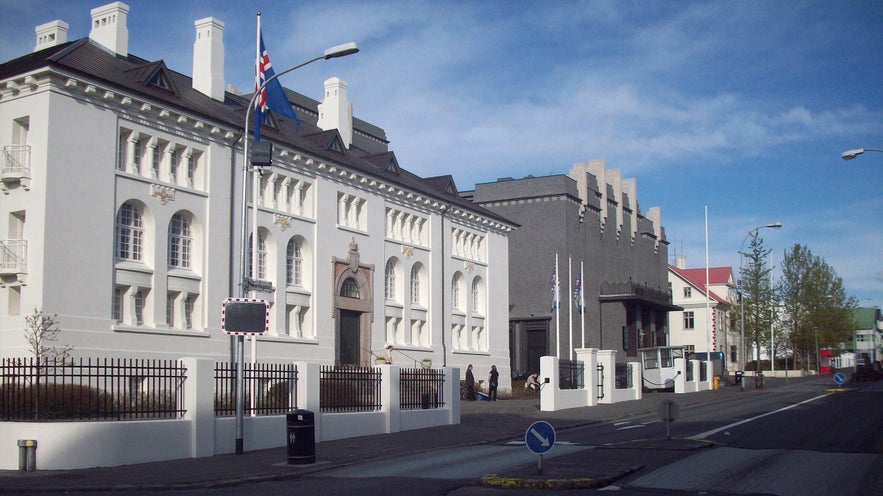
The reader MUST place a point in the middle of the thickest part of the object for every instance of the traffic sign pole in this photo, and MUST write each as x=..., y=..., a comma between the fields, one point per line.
x=539, y=438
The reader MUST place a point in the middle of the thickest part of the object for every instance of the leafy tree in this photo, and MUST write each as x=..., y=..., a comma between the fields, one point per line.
x=758, y=299
x=41, y=333
x=815, y=306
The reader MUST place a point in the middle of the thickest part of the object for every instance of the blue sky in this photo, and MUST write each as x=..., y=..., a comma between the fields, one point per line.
x=743, y=106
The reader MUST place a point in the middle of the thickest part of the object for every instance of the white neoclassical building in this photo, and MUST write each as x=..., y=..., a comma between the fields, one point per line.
x=121, y=212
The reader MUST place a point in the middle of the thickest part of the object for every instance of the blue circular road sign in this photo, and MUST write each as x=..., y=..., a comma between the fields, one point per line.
x=839, y=378
x=540, y=437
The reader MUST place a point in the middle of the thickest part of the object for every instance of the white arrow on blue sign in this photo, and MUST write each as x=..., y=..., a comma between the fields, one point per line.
x=839, y=378
x=540, y=437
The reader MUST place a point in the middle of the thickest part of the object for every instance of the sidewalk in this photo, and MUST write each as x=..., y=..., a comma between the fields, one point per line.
x=481, y=422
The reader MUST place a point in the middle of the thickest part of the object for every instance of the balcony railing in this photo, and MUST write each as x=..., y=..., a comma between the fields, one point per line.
x=13, y=256
x=16, y=162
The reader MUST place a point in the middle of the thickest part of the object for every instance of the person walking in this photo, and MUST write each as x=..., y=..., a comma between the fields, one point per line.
x=492, y=380
x=470, y=384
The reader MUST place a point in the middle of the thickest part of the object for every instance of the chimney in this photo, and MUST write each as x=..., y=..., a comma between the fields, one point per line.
x=50, y=34
x=682, y=262
x=109, y=27
x=208, y=58
x=335, y=111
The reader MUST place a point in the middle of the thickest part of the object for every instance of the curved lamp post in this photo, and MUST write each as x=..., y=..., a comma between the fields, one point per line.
x=774, y=225
x=851, y=154
x=330, y=53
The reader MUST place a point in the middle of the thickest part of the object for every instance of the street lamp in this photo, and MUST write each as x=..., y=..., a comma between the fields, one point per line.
x=774, y=225
x=851, y=154
x=330, y=53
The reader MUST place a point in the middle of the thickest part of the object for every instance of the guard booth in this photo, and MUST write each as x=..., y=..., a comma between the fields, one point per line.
x=659, y=368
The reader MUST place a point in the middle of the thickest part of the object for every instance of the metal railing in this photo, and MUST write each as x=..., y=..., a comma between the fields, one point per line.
x=13, y=256
x=269, y=388
x=104, y=389
x=571, y=374
x=624, y=379
x=349, y=389
x=16, y=161
x=421, y=388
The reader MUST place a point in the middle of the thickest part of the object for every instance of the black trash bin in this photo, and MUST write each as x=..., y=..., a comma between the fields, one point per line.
x=301, y=437
x=738, y=377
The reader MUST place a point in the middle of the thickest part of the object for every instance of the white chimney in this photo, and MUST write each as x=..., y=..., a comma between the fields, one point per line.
x=50, y=34
x=208, y=58
x=335, y=111
x=109, y=27
x=682, y=262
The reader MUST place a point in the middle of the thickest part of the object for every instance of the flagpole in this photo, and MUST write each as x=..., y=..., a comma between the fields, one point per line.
x=707, y=311
x=557, y=311
x=582, y=303
x=569, y=307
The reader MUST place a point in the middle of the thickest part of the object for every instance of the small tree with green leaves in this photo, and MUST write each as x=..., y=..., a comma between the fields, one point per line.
x=41, y=332
x=758, y=298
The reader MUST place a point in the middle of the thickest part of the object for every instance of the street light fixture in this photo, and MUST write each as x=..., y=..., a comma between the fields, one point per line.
x=851, y=154
x=330, y=53
x=774, y=225
x=334, y=52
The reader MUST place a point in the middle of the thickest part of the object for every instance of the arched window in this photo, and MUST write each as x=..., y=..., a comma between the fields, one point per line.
x=180, y=242
x=390, y=285
x=262, y=258
x=349, y=288
x=294, y=262
x=456, y=297
x=415, y=284
x=477, y=295
x=129, y=234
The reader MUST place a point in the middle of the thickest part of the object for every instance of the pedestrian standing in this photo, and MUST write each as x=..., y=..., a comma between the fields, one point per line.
x=492, y=380
x=470, y=384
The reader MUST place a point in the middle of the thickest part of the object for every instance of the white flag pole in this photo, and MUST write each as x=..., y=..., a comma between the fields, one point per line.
x=569, y=308
x=707, y=311
x=557, y=311
x=582, y=303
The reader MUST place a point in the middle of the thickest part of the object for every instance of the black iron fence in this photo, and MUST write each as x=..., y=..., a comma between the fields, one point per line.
x=571, y=374
x=268, y=388
x=623, y=376
x=421, y=388
x=34, y=389
x=349, y=389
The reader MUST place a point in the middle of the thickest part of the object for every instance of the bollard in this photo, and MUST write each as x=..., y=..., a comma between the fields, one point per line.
x=27, y=455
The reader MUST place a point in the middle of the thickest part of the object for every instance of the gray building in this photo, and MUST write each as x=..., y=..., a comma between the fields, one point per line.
x=591, y=215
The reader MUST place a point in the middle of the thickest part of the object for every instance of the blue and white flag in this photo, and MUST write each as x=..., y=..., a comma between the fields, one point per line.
x=272, y=97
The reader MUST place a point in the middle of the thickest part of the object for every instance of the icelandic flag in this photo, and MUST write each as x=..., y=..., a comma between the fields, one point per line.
x=272, y=97
x=577, y=291
x=554, y=283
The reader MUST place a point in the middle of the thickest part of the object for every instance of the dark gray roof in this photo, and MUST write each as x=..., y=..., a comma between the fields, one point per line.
x=133, y=74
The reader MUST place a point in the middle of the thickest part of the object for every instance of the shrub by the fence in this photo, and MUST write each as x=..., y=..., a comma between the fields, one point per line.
x=45, y=402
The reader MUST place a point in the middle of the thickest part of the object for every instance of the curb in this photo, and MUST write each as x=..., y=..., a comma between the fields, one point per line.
x=494, y=480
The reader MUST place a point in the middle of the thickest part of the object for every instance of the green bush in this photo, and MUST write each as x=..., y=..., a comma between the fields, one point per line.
x=55, y=402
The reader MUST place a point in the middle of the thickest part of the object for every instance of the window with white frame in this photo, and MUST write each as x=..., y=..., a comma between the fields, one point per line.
x=294, y=262
x=456, y=302
x=139, y=300
x=129, y=233
x=688, y=292
x=390, y=280
x=117, y=306
x=689, y=320
x=171, y=299
x=416, y=296
x=262, y=258
x=477, y=295
x=180, y=242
